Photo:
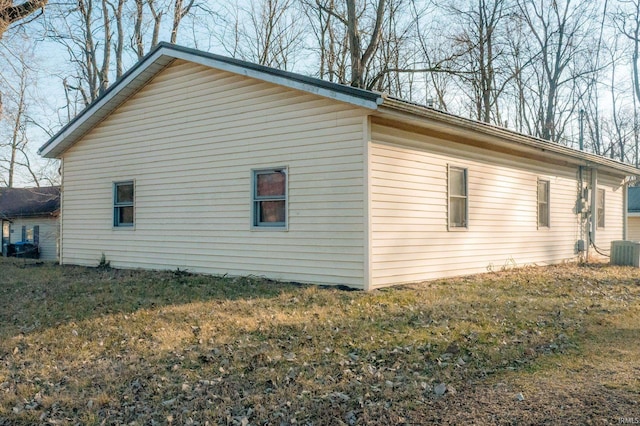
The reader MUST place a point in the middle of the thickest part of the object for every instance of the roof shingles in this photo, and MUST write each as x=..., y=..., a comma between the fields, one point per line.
x=29, y=202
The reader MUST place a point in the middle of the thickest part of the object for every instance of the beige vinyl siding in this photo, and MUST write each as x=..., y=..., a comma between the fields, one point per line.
x=190, y=140
x=48, y=234
x=633, y=225
x=614, y=212
x=410, y=241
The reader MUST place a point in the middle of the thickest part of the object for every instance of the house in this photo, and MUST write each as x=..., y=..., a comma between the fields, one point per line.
x=633, y=213
x=200, y=162
x=31, y=215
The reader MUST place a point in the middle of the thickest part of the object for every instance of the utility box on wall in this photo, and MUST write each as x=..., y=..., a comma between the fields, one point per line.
x=625, y=253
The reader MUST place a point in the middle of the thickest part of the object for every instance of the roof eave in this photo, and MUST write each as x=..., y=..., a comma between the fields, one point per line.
x=12, y=216
x=398, y=108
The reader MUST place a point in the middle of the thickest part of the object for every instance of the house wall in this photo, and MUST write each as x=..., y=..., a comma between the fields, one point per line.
x=633, y=228
x=410, y=241
x=614, y=212
x=48, y=234
x=190, y=139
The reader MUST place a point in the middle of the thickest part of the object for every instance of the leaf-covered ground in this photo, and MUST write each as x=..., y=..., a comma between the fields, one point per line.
x=555, y=345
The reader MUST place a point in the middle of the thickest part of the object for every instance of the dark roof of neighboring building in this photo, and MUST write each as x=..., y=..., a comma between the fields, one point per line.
x=29, y=202
x=633, y=202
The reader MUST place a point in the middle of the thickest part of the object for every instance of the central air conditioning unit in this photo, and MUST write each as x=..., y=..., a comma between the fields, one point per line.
x=625, y=253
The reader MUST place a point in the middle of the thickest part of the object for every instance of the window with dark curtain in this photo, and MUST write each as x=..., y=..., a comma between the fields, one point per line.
x=270, y=198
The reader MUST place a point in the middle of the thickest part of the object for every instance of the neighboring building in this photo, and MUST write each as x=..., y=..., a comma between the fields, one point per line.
x=633, y=213
x=200, y=162
x=31, y=215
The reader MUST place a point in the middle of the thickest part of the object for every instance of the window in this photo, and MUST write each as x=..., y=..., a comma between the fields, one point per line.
x=270, y=198
x=600, y=208
x=543, y=203
x=31, y=234
x=123, y=203
x=5, y=231
x=458, y=200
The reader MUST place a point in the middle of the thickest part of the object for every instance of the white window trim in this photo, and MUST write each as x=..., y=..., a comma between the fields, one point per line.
x=115, y=224
x=278, y=226
x=465, y=171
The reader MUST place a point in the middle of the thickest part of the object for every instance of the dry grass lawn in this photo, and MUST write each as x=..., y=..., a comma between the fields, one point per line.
x=556, y=345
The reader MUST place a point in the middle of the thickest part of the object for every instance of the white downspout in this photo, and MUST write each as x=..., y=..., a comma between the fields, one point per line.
x=61, y=214
x=593, y=217
x=625, y=209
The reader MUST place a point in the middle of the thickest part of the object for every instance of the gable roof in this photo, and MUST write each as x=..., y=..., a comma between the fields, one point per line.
x=633, y=200
x=161, y=57
x=380, y=104
x=29, y=202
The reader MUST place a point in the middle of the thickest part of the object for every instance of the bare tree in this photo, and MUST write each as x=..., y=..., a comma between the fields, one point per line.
x=379, y=46
x=482, y=38
x=361, y=52
x=558, y=35
x=180, y=10
x=17, y=139
x=267, y=32
x=85, y=32
x=137, y=39
x=518, y=63
x=117, y=10
x=396, y=64
x=15, y=160
x=627, y=20
x=11, y=12
x=95, y=33
x=331, y=37
x=436, y=56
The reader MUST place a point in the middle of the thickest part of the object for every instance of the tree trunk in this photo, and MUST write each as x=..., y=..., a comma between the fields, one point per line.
x=137, y=42
x=355, y=48
x=120, y=40
x=103, y=74
x=360, y=60
x=157, y=19
x=179, y=12
x=17, y=125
